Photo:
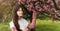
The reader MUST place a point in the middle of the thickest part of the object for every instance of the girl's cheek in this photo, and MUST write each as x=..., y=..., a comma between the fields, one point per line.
x=17, y=13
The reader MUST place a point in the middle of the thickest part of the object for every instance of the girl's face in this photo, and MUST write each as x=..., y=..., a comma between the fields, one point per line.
x=20, y=12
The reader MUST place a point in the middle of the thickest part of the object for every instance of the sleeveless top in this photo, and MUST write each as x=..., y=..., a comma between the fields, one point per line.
x=22, y=22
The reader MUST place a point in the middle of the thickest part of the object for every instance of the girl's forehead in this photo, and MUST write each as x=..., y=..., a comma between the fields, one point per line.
x=20, y=8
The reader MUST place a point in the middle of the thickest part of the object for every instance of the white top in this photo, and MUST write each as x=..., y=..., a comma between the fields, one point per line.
x=22, y=22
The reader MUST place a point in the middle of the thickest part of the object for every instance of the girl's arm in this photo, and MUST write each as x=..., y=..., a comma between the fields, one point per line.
x=13, y=29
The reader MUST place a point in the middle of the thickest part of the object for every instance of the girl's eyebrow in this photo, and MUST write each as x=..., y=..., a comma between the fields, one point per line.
x=18, y=9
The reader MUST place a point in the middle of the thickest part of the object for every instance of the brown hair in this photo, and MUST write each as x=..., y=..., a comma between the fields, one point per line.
x=15, y=17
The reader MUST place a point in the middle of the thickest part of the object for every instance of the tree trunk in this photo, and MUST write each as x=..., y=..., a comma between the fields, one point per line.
x=33, y=20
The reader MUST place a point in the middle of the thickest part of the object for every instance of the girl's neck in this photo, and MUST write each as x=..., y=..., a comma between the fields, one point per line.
x=20, y=17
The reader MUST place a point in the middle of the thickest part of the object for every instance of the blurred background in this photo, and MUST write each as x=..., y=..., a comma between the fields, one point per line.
x=45, y=20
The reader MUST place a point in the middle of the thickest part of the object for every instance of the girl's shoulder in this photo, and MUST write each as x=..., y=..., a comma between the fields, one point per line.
x=11, y=22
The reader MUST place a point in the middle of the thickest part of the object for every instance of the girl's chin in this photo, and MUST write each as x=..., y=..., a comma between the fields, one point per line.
x=20, y=16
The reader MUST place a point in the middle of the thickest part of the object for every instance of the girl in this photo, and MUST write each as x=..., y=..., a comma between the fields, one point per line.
x=18, y=23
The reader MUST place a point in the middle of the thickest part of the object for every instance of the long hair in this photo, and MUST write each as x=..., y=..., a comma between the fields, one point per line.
x=15, y=17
